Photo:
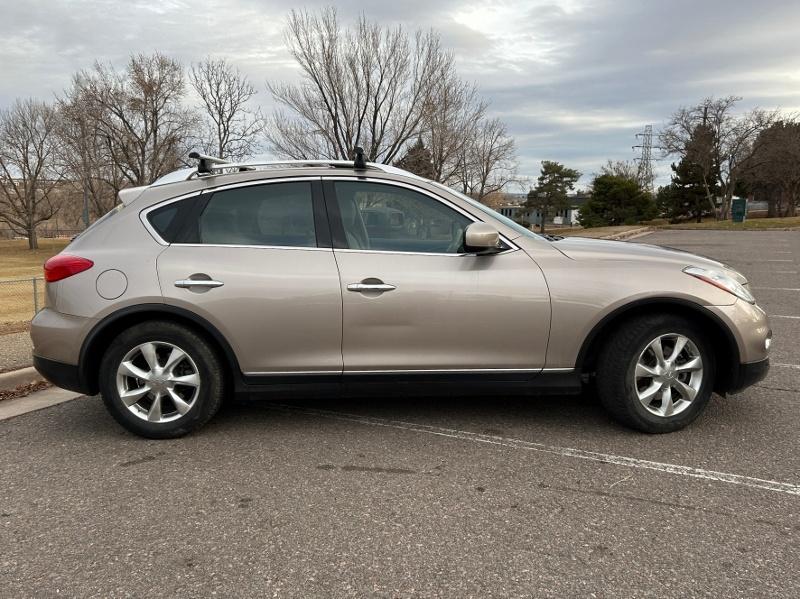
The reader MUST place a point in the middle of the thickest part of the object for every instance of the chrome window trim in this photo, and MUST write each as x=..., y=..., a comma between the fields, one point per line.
x=512, y=247
x=402, y=253
x=145, y=211
x=312, y=248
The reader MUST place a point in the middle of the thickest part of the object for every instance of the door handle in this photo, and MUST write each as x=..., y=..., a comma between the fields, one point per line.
x=370, y=287
x=188, y=283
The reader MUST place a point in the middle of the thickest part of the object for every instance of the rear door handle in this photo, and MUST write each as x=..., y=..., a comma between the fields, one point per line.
x=188, y=283
x=370, y=287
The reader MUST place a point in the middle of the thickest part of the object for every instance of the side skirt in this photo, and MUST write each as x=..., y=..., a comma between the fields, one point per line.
x=404, y=384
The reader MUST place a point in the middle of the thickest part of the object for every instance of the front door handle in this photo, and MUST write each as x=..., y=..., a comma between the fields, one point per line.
x=370, y=287
x=189, y=283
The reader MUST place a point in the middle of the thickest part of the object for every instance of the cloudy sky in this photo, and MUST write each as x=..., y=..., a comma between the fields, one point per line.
x=574, y=79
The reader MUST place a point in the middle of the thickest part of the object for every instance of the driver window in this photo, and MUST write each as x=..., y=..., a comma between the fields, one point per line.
x=383, y=217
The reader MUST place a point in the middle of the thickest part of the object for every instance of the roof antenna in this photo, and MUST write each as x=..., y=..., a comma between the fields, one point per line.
x=359, y=163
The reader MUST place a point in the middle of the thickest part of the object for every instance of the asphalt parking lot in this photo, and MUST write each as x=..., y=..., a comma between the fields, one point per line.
x=419, y=498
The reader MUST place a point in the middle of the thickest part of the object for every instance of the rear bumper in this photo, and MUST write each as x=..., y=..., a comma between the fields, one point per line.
x=748, y=374
x=66, y=376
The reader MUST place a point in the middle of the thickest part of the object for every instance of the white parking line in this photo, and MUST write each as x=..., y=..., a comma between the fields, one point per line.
x=779, y=365
x=778, y=288
x=784, y=316
x=735, y=479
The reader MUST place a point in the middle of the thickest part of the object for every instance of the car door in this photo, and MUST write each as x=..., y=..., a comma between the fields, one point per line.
x=414, y=301
x=255, y=260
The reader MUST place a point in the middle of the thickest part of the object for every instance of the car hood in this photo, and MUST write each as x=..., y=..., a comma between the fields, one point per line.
x=582, y=248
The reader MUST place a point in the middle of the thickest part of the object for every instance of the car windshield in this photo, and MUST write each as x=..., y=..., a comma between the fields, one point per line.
x=494, y=214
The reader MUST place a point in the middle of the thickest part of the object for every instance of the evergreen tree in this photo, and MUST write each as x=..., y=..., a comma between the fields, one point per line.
x=551, y=189
x=616, y=200
x=686, y=195
x=418, y=160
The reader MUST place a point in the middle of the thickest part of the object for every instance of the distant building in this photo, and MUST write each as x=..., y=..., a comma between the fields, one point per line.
x=514, y=208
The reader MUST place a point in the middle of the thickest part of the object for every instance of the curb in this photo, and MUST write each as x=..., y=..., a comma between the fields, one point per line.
x=15, y=378
x=629, y=234
x=46, y=398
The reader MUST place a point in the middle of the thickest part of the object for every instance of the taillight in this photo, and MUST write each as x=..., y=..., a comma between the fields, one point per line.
x=62, y=266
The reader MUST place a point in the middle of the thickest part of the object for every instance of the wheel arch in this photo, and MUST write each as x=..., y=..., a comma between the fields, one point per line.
x=726, y=348
x=100, y=337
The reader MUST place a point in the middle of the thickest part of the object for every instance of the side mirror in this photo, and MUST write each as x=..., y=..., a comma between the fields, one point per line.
x=481, y=238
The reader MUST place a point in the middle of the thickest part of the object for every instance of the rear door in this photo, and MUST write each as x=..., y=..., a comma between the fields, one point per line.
x=415, y=302
x=255, y=260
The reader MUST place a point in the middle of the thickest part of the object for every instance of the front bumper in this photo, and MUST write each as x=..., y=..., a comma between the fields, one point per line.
x=66, y=376
x=748, y=374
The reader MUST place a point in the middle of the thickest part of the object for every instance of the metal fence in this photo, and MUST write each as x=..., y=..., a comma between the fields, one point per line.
x=52, y=232
x=21, y=299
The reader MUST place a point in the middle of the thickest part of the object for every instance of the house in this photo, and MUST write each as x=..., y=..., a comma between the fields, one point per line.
x=515, y=209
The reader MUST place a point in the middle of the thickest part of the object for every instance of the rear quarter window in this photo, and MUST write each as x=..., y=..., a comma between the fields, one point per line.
x=169, y=220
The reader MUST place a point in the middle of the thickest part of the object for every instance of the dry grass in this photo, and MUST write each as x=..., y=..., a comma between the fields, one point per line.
x=594, y=232
x=790, y=223
x=18, y=262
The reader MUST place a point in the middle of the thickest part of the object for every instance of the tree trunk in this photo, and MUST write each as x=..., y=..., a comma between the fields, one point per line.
x=33, y=240
x=724, y=209
x=542, y=215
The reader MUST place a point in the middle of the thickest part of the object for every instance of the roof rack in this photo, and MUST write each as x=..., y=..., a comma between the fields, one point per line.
x=209, y=166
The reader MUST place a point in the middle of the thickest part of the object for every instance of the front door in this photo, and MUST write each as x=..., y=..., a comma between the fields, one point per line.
x=253, y=262
x=414, y=301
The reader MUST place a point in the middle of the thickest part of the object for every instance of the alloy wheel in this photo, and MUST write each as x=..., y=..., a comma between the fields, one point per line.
x=668, y=374
x=158, y=381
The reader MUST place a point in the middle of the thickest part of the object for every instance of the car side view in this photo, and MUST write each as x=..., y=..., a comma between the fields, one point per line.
x=328, y=278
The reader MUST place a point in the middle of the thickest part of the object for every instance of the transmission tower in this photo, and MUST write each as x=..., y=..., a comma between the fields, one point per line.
x=645, y=171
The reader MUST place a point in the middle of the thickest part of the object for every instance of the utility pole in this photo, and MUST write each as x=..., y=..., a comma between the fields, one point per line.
x=645, y=171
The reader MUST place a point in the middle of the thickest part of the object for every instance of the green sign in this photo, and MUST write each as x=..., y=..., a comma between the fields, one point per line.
x=739, y=209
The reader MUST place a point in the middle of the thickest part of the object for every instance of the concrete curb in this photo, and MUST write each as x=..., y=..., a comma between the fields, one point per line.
x=9, y=408
x=629, y=234
x=15, y=378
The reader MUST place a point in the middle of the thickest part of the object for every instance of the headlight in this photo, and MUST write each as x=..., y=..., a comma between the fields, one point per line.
x=722, y=281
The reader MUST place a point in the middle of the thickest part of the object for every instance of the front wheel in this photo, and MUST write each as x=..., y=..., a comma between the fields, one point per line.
x=161, y=380
x=656, y=373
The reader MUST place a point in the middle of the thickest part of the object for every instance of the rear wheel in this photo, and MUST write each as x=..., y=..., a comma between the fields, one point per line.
x=161, y=380
x=656, y=373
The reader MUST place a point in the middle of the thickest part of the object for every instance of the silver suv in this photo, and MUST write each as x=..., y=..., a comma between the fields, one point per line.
x=332, y=277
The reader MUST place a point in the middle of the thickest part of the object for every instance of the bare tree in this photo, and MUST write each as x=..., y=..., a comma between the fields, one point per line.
x=139, y=115
x=710, y=136
x=233, y=128
x=85, y=152
x=450, y=124
x=621, y=168
x=369, y=86
x=29, y=168
x=487, y=163
x=775, y=166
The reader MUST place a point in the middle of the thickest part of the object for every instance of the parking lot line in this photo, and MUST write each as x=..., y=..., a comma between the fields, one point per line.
x=724, y=477
x=778, y=288
x=784, y=316
x=797, y=366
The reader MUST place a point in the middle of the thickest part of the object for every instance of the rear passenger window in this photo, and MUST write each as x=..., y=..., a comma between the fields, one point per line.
x=277, y=214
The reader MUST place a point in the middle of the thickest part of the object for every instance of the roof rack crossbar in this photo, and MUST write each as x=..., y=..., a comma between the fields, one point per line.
x=206, y=163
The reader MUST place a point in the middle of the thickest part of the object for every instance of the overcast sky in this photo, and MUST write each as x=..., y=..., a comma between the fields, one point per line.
x=574, y=80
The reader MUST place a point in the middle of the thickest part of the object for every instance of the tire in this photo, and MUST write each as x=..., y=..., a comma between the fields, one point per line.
x=629, y=371
x=188, y=390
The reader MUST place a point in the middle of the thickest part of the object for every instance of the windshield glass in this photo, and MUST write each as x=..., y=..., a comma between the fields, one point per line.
x=494, y=214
